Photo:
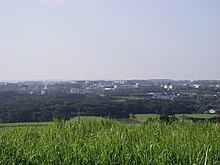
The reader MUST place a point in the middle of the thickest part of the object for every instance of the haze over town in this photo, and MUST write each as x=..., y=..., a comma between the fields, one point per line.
x=141, y=39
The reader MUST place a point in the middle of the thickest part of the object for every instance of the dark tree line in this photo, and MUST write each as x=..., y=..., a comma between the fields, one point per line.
x=37, y=108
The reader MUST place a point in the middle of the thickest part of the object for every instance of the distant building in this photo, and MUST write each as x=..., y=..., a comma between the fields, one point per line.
x=150, y=93
x=168, y=87
x=42, y=92
x=110, y=88
x=136, y=86
x=196, y=86
x=213, y=111
x=74, y=90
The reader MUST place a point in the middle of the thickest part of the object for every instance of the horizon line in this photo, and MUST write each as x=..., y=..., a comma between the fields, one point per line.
x=132, y=79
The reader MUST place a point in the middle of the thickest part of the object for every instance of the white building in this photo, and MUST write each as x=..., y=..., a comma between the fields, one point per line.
x=211, y=111
x=196, y=86
x=74, y=90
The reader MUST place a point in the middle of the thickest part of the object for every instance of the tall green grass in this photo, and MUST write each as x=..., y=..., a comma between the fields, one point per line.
x=101, y=141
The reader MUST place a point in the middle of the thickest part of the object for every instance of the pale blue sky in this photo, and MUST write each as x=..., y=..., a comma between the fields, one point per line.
x=109, y=39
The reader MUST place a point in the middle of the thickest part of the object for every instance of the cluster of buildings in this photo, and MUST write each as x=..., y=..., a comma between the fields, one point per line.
x=158, y=89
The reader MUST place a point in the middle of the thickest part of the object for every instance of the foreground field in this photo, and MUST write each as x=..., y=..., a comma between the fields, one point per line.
x=101, y=141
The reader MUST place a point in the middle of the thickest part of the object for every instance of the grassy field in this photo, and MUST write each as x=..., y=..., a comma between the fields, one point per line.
x=2, y=125
x=146, y=117
x=201, y=116
x=103, y=141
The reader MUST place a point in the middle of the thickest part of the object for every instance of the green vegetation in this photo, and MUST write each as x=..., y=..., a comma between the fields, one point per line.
x=2, y=125
x=129, y=97
x=102, y=141
x=145, y=117
x=16, y=107
x=201, y=116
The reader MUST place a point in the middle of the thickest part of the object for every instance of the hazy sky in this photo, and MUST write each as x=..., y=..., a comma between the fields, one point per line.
x=109, y=39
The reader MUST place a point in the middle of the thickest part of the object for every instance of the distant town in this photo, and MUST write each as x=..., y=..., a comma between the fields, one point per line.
x=146, y=89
